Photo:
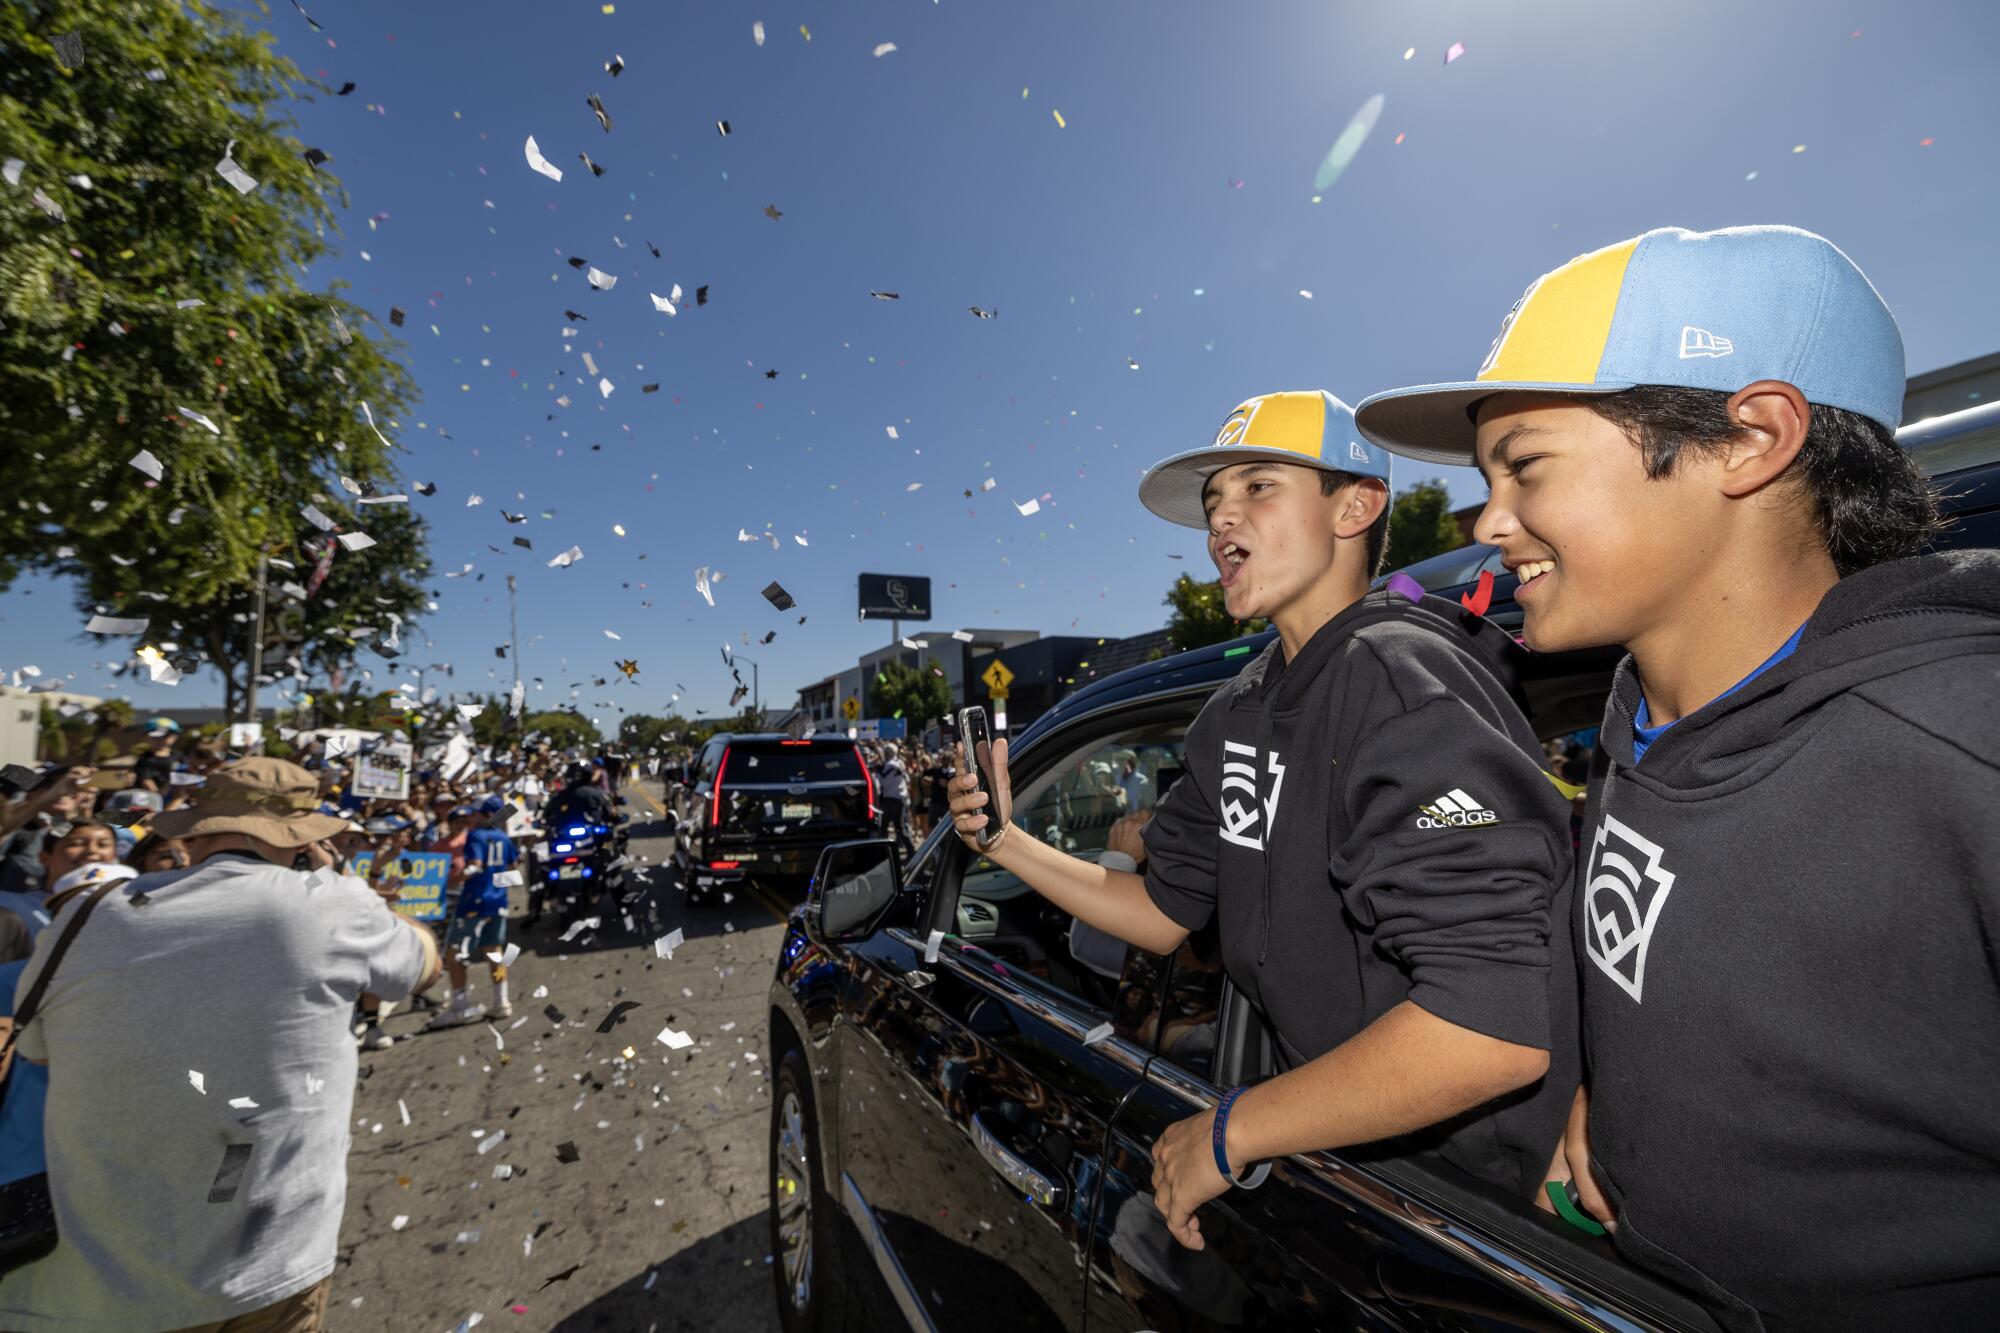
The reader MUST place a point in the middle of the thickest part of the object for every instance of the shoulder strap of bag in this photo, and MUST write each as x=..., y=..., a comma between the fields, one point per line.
x=26, y=1012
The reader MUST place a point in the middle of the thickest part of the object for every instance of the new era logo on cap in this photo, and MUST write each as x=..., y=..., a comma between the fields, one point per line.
x=1356, y=451
x=1700, y=342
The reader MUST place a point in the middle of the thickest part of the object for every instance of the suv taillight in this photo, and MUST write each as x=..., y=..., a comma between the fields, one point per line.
x=715, y=797
x=871, y=783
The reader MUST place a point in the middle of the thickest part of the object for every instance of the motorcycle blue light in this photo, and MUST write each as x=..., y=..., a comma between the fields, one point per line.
x=579, y=831
x=586, y=872
x=562, y=846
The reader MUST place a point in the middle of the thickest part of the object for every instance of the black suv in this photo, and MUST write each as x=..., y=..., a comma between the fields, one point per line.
x=763, y=806
x=957, y=1144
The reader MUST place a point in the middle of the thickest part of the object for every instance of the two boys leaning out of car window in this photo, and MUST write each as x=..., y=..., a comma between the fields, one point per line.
x=1785, y=896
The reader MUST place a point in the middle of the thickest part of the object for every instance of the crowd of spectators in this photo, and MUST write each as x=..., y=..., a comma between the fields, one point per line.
x=205, y=935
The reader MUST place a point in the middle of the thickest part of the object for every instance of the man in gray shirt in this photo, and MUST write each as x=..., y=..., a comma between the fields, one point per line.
x=201, y=1071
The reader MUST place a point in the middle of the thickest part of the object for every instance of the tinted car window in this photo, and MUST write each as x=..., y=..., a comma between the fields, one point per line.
x=779, y=761
x=1071, y=805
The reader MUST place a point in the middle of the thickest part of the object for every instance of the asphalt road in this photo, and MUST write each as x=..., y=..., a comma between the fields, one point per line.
x=659, y=1222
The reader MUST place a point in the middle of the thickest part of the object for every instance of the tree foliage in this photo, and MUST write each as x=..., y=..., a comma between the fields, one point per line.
x=561, y=728
x=138, y=286
x=1421, y=525
x=1199, y=616
x=908, y=692
x=643, y=733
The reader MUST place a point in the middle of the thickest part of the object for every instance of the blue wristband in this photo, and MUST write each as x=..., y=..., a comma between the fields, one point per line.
x=1259, y=1172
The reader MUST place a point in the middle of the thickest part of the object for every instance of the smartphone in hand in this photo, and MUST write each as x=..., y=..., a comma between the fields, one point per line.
x=977, y=737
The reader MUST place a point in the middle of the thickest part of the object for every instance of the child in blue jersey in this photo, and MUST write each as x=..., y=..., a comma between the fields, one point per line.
x=480, y=924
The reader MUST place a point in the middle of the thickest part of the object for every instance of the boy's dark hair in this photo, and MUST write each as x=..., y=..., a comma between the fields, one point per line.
x=1869, y=498
x=1378, y=532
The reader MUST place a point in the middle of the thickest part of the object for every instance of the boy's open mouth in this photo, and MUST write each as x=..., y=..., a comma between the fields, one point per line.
x=1230, y=557
x=1532, y=572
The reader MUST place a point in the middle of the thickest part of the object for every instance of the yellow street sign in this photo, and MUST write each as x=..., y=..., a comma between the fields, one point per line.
x=851, y=708
x=997, y=678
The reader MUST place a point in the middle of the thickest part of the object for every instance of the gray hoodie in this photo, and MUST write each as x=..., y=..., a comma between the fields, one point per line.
x=1787, y=925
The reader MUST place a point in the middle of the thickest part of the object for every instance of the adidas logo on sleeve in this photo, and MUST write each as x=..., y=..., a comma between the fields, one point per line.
x=1455, y=809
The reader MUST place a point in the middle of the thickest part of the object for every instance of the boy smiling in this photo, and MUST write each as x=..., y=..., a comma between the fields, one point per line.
x=1787, y=892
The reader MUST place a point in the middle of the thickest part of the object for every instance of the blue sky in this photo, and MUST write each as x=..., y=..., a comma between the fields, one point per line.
x=1567, y=124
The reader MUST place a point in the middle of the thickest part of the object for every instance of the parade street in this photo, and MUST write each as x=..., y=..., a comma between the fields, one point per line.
x=551, y=1175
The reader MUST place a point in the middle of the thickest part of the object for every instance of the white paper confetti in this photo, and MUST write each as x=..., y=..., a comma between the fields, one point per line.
x=567, y=558
x=892, y=433
x=701, y=585
x=756, y=35
x=146, y=463
x=884, y=49
x=199, y=420
x=1031, y=507
x=613, y=634
x=242, y=1103
x=674, y=1040
x=963, y=636
x=931, y=944
x=601, y=280
x=235, y=175
x=669, y=303
x=399, y=1221
x=605, y=386
x=116, y=625
x=1097, y=1034
x=403, y=1110
x=195, y=1078
x=664, y=946
x=540, y=163
x=356, y=541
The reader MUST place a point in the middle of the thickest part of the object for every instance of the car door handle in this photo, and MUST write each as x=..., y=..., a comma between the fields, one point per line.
x=1026, y=1177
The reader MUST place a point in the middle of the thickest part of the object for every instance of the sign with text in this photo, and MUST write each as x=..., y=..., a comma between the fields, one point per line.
x=895, y=597
x=383, y=773
x=424, y=875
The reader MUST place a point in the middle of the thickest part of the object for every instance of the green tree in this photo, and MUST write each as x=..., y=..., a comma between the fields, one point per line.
x=561, y=727
x=355, y=610
x=1199, y=616
x=137, y=287
x=1421, y=525
x=642, y=732
x=915, y=694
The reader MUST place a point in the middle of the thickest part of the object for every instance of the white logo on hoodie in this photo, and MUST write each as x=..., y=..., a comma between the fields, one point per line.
x=1240, y=821
x=1623, y=895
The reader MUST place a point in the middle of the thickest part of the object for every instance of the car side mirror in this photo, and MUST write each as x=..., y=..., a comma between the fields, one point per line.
x=853, y=888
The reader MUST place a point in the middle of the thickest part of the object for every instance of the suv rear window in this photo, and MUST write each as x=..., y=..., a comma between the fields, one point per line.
x=775, y=761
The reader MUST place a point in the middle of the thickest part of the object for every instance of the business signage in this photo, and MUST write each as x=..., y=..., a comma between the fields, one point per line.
x=895, y=597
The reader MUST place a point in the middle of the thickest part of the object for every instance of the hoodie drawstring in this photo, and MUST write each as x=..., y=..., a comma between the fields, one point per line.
x=1265, y=718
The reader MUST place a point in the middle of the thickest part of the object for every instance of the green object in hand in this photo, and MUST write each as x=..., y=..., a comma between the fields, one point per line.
x=1566, y=1208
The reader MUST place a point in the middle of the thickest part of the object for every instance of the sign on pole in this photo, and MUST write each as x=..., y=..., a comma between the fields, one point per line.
x=383, y=773
x=997, y=678
x=895, y=597
x=850, y=708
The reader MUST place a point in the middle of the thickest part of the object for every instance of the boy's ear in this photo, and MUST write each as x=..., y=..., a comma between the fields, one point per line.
x=1360, y=506
x=1771, y=418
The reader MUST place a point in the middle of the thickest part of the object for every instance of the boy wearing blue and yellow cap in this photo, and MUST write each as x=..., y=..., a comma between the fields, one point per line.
x=1363, y=816
x=1787, y=896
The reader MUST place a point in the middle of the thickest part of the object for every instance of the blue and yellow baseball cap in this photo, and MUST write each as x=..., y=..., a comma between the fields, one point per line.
x=1693, y=309
x=1309, y=428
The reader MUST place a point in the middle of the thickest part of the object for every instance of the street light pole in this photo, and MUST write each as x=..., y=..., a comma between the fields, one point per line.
x=256, y=644
x=514, y=645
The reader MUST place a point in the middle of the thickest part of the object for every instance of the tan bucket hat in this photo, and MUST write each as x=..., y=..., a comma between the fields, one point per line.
x=271, y=799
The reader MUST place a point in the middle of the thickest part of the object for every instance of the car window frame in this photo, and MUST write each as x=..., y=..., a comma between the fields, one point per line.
x=1094, y=727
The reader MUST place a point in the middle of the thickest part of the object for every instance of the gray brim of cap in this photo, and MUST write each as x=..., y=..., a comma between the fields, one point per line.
x=1432, y=423
x=1172, y=488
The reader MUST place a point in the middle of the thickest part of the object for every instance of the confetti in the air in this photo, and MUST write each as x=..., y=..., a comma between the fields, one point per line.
x=540, y=163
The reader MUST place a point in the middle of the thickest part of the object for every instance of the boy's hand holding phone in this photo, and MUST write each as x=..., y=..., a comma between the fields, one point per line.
x=981, y=818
